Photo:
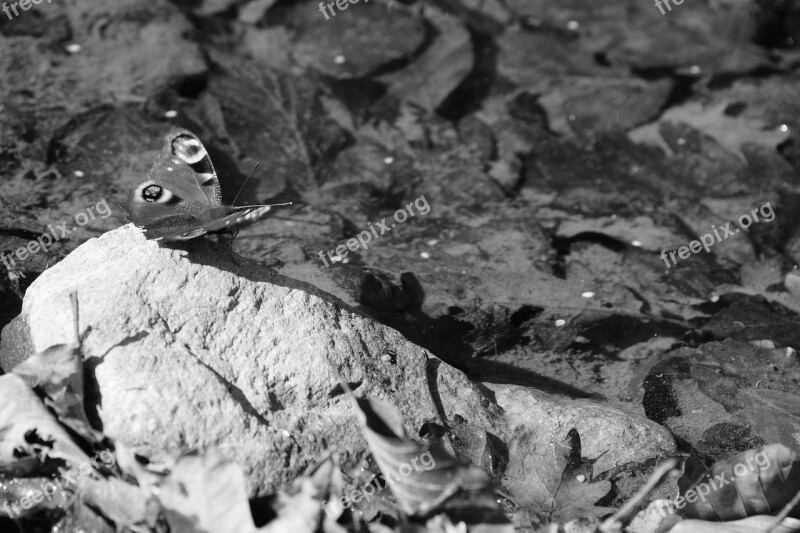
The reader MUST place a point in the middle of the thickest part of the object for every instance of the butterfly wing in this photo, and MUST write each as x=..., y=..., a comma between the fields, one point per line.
x=202, y=222
x=180, y=187
x=181, y=198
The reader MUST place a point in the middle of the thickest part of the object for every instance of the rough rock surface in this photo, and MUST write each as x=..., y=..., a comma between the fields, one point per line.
x=727, y=397
x=194, y=346
x=609, y=435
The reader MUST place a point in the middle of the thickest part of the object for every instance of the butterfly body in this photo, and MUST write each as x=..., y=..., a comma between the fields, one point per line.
x=181, y=197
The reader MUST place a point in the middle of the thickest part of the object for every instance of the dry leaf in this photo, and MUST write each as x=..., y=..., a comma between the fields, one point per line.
x=206, y=494
x=27, y=426
x=754, y=524
x=420, y=476
x=750, y=483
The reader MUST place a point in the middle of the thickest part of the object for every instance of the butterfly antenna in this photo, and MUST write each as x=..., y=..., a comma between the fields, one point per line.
x=245, y=182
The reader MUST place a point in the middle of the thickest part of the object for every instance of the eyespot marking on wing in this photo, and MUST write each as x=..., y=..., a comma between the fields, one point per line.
x=190, y=150
x=153, y=193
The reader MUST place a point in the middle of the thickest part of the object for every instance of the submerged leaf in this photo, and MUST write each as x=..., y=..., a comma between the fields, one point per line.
x=730, y=132
x=443, y=66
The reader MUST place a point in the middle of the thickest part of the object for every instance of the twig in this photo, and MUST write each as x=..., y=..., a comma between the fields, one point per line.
x=73, y=297
x=784, y=513
x=660, y=473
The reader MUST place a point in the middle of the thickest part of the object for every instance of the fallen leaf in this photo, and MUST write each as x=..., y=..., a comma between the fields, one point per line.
x=420, y=476
x=300, y=507
x=206, y=493
x=59, y=372
x=27, y=427
x=754, y=524
x=547, y=484
x=750, y=483
x=576, y=494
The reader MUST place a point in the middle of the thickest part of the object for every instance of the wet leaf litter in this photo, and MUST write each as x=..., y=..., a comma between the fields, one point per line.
x=521, y=357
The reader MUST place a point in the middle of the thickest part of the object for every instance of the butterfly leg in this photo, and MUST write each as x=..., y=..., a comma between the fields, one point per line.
x=233, y=233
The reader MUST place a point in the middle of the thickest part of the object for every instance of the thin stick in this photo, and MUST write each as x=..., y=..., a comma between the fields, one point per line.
x=340, y=379
x=73, y=297
x=245, y=182
x=655, y=480
x=783, y=514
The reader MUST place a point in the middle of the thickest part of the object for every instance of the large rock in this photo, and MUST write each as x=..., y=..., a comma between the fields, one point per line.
x=610, y=437
x=193, y=346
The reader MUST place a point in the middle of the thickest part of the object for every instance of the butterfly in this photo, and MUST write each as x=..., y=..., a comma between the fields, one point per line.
x=181, y=197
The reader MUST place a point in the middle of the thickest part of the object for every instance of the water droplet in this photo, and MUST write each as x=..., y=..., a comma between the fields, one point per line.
x=79, y=174
x=388, y=160
x=73, y=48
x=339, y=59
x=560, y=322
x=432, y=242
x=171, y=113
x=587, y=294
x=573, y=25
x=425, y=255
x=636, y=243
